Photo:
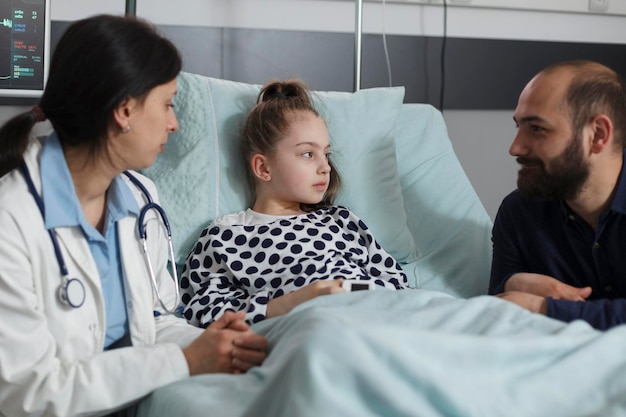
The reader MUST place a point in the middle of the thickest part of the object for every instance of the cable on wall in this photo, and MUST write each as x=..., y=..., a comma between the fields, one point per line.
x=385, y=45
x=358, y=44
x=443, y=55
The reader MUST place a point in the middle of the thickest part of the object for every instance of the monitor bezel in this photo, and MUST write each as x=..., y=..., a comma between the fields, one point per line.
x=36, y=92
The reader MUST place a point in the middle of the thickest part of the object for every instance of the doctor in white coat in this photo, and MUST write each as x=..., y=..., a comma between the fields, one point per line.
x=85, y=326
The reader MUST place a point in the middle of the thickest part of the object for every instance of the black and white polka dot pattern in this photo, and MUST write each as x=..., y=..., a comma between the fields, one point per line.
x=241, y=267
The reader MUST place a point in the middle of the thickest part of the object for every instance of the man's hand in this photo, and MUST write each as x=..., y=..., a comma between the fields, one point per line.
x=545, y=286
x=531, y=302
x=227, y=345
x=285, y=303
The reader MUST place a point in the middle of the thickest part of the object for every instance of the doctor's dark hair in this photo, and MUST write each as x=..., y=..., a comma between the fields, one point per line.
x=268, y=122
x=98, y=63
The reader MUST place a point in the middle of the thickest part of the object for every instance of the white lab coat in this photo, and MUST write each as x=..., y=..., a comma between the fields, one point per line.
x=52, y=361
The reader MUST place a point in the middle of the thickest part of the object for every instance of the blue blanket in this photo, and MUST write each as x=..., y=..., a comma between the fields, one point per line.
x=414, y=353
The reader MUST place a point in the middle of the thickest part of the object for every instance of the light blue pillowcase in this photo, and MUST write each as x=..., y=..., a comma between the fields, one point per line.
x=200, y=175
x=450, y=225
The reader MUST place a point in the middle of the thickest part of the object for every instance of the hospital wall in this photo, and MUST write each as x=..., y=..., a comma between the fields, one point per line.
x=471, y=62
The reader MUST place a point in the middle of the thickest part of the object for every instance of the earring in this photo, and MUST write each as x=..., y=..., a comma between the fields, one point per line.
x=126, y=129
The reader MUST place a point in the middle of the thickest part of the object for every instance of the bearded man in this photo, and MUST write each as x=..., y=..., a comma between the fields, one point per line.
x=559, y=240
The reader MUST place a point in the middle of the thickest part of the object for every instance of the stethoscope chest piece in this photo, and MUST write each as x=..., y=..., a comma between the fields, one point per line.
x=72, y=292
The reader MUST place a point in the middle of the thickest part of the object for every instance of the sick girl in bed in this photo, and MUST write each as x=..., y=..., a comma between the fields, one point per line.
x=293, y=244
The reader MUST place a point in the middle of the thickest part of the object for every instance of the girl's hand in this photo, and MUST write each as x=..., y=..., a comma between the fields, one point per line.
x=285, y=303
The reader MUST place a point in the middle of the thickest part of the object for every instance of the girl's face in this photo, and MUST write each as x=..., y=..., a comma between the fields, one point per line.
x=150, y=123
x=298, y=170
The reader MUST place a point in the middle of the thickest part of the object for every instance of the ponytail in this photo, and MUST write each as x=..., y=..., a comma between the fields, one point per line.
x=14, y=137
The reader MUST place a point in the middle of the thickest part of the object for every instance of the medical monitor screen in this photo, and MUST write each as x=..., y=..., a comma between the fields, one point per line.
x=24, y=47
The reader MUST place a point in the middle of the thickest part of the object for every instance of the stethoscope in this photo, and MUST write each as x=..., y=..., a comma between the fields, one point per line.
x=72, y=291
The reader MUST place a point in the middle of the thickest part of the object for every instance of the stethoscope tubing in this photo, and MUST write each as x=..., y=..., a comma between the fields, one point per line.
x=151, y=205
x=72, y=291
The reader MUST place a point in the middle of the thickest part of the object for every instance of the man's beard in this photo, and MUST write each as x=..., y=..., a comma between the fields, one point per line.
x=569, y=173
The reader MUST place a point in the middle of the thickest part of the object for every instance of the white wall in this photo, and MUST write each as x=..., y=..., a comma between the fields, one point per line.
x=480, y=138
x=70, y=10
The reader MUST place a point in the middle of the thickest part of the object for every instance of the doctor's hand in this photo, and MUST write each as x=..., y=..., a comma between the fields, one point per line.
x=227, y=345
x=545, y=286
x=285, y=303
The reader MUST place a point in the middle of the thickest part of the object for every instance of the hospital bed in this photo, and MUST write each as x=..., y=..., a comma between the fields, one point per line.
x=442, y=349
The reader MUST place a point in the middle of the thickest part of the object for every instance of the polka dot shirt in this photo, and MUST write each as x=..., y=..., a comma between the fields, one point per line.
x=240, y=265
